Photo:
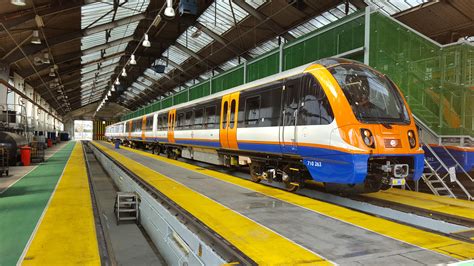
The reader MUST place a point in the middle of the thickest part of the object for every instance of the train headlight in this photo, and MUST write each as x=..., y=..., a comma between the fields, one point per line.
x=411, y=138
x=368, y=138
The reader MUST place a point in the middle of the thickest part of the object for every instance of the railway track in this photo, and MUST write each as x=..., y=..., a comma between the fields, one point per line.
x=454, y=226
x=224, y=248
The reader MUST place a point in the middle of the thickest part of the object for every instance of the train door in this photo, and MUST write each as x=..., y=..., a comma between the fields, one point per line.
x=229, y=121
x=144, y=128
x=290, y=102
x=171, y=125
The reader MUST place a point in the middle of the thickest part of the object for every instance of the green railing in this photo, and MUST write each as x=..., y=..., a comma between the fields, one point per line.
x=437, y=81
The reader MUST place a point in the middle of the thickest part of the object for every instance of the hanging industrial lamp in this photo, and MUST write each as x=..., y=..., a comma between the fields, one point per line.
x=52, y=73
x=18, y=2
x=169, y=11
x=35, y=39
x=132, y=60
x=146, y=42
x=124, y=72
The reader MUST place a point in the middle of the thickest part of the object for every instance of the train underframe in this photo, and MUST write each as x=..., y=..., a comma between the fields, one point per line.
x=288, y=170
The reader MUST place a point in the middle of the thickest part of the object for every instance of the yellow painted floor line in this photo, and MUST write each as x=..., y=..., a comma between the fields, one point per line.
x=261, y=244
x=431, y=241
x=455, y=207
x=67, y=235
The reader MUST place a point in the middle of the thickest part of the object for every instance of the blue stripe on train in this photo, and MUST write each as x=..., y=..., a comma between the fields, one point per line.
x=324, y=165
x=214, y=144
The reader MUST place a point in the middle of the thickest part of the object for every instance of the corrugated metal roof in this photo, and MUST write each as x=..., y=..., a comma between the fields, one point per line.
x=219, y=18
x=96, y=14
x=322, y=20
x=194, y=39
x=390, y=7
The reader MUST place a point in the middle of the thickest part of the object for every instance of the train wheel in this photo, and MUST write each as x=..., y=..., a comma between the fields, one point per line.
x=255, y=173
x=157, y=150
x=290, y=177
x=174, y=155
x=291, y=186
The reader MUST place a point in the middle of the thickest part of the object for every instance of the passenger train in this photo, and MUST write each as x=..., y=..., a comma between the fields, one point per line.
x=335, y=121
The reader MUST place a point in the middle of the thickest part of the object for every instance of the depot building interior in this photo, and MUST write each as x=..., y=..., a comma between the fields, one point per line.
x=244, y=132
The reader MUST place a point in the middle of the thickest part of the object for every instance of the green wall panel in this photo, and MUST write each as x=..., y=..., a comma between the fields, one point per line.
x=199, y=90
x=180, y=97
x=263, y=67
x=167, y=102
x=327, y=42
x=229, y=80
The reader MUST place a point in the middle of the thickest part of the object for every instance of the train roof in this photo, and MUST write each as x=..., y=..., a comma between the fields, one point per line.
x=326, y=62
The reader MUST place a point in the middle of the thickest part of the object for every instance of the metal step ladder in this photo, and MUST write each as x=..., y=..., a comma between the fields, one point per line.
x=437, y=178
x=435, y=182
x=126, y=207
x=458, y=165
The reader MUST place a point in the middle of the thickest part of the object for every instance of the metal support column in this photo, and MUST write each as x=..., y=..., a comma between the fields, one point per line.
x=367, y=36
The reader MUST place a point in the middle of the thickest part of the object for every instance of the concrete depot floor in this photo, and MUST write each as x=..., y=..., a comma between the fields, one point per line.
x=17, y=172
x=337, y=241
x=129, y=244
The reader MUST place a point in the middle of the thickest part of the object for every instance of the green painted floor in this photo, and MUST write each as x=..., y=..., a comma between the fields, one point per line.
x=22, y=204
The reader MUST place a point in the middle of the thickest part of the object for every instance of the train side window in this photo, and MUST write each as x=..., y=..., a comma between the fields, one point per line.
x=290, y=97
x=149, y=123
x=188, y=119
x=180, y=121
x=252, y=111
x=127, y=126
x=224, y=115
x=270, y=106
x=198, y=118
x=210, y=120
x=314, y=105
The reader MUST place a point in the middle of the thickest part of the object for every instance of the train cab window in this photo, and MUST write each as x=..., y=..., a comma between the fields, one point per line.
x=252, y=111
x=188, y=119
x=210, y=118
x=314, y=104
x=180, y=121
x=198, y=118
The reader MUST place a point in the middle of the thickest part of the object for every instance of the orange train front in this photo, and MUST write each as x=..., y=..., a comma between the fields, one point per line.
x=334, y=121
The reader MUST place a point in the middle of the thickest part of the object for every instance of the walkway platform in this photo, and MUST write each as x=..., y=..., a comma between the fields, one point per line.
x=272, y=226
x=47, y=215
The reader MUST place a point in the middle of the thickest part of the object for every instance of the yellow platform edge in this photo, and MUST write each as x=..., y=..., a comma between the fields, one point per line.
x=67, y=234
x=453, y=207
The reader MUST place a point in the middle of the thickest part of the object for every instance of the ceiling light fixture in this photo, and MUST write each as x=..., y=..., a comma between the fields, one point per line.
x=52, y=73
x=109, y=93
x=35, y=39
x=132, y=60
x=146, y=42
x=124, y=72
x=112, y=88
x=169, y=11
x=117, y=82
x=46, y=58
x=18, y=2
